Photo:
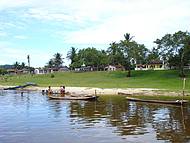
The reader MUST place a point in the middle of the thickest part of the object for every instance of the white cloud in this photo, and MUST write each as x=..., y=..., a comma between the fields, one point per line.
x=4, y=4
x=3, y=34
x=21, y=37
x=11, y=24
x=46, y=14
x=94, y=22
x=148, y=21
x=9, y=55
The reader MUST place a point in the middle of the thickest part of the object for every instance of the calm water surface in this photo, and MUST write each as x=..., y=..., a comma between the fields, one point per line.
x=32, y=118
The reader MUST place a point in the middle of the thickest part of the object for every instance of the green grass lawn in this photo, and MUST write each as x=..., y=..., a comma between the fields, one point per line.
x=167, y=79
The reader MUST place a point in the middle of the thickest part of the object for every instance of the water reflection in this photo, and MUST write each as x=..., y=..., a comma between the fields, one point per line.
x=110, y=119
x=170, y=123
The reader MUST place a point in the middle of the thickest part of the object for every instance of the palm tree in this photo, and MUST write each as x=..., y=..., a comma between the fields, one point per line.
x=127, y=45
x=16, y=65
x=72, y=54
x=115, y=54
x=128, y=37
x=58, y=60
x=23, y=65
x=50, y=64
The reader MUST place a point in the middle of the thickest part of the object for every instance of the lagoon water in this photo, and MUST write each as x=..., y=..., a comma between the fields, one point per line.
x=32, y=118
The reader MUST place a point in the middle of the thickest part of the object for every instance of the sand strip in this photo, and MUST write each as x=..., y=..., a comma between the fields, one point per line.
x=109, y=91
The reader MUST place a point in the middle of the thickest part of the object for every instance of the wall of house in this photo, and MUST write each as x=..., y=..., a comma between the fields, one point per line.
x=150, y=67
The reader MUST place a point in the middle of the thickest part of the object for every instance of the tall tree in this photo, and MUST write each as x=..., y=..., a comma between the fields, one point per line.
x=153, y=54
x=50, y=64
x=175, y=47
x=89, y=56
x=58, y=60
x=115, y=54
x=23, y=65
x=128, y=45
x=104, y=60
x=16, y=65
x=71, y=55
x=133, y=52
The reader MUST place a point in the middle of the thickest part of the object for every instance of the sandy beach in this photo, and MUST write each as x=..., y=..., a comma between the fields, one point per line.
x=108, y=91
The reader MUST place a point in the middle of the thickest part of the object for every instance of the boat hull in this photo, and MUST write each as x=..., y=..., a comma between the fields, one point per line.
x=72, y=97
x=176, y=102
x=20, y=86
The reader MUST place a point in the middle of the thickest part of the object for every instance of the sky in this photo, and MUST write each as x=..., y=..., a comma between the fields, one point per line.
x=41, y=28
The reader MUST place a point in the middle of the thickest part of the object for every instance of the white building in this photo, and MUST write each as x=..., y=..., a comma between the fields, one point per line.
x=42, y=71
x=110, y=68
x=153, y=65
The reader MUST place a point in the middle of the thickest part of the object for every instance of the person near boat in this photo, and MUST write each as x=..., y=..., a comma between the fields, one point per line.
x=62, y=90
x=49, y=90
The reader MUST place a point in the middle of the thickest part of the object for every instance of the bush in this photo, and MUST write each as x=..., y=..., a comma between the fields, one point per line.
x=52, y=76
x=3, y=72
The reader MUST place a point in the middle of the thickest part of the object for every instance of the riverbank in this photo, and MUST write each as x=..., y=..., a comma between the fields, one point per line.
x=162, y=80
x=150, y=83
x=110, y=91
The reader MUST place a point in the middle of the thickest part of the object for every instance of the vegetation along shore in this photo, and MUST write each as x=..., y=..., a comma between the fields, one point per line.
x=166, y=82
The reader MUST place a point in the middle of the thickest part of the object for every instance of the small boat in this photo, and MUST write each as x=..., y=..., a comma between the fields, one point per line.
x=174, y=102
x=122, y=93
x=21, y=86
x=77, y=97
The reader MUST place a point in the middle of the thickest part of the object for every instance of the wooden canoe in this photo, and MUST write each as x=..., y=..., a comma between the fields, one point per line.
x=122, y=93
x=21, y=86
x=174, y=102
x=73, y=97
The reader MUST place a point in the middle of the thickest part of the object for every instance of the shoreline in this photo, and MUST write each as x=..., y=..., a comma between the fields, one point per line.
x=109, y=91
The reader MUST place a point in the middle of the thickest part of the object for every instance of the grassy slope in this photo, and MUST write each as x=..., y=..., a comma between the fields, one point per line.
x=142, y=79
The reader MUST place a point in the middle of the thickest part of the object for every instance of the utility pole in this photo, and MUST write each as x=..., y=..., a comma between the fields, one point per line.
x=28, y=58
x=184, y=79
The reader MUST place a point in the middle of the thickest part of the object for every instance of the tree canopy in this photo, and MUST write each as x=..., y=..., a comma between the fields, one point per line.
x=126, y=53
x=172, y=49
x=175, y=49
x=56, y=61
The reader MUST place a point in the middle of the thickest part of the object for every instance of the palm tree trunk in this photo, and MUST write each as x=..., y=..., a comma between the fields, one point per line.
x=129, y=71
x=181, y=67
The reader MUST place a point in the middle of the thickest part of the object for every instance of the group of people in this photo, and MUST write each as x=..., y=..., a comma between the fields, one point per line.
x=62, y=90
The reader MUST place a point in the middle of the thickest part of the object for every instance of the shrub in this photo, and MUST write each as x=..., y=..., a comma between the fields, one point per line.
x=52, y=76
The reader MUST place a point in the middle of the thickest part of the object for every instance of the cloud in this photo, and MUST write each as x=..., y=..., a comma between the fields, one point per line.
x=4, y=25
x=48, y=15
x=3, y=34
x=147, y=22
x=5, y=4
x=10, y=54
x=21, y=37
x=87, y=22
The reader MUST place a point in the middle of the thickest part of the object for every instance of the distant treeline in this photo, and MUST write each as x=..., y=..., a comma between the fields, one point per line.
x=172, y=49
x=6, y=66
